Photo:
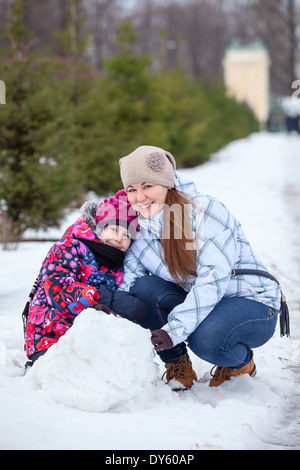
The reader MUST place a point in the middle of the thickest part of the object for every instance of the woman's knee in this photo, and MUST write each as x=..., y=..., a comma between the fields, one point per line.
x=231, y=330
x=154, y=287
x=160, y=296
x=141, y=286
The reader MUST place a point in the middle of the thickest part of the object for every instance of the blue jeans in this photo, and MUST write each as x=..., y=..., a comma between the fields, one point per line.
x=227, y=335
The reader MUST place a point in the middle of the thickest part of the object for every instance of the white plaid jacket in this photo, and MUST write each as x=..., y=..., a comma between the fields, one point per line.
x=222, y=246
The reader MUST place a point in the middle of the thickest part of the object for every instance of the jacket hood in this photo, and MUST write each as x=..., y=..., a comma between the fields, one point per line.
x=185, y=185
x=81, y=229
x=85, y=226
x=88, y=214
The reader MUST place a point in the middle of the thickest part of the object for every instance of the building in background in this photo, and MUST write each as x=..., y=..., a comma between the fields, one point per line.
x=247, y=76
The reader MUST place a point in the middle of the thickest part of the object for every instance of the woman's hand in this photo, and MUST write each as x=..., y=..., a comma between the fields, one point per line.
x=161, y=340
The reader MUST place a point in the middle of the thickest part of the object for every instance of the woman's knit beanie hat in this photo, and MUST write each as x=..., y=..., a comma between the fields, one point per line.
x=148, y=164
x=115, y=210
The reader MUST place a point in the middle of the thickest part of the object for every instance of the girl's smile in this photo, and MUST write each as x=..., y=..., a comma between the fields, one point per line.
x=116, y=236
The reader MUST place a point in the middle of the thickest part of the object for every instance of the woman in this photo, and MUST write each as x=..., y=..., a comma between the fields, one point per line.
x=182, y=265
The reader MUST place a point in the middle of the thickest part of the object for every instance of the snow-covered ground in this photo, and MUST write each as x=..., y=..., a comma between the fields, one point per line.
x=99, y=387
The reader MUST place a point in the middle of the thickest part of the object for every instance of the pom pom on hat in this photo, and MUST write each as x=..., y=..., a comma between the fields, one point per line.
x=116, y=210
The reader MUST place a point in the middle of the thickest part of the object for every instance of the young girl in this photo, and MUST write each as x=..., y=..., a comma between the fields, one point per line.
x=82, y=270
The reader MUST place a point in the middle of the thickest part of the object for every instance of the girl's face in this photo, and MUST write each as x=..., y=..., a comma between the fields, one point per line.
x=116, y=236
x=147, y=198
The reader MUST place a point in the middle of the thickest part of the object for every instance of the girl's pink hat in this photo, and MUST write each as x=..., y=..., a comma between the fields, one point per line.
x=117, y=211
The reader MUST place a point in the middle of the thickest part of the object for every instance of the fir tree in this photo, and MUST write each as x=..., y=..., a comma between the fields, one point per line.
x=36, y=175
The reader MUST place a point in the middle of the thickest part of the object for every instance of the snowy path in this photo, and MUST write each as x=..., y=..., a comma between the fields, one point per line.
x=265, y=196
x=258, y=179
x=292, y=197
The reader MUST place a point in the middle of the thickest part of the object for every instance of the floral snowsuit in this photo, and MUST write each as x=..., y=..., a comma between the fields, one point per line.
x=69, y=281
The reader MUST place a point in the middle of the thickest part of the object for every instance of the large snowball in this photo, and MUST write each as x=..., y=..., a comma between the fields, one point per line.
x=103, y=363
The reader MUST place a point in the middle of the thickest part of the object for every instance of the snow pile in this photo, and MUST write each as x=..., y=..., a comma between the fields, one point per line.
x=103, y=363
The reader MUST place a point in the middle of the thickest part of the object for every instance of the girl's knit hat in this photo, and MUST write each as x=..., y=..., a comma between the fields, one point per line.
x=148, y=164
x=113, y=211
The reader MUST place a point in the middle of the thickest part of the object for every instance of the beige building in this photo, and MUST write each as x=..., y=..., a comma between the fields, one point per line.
x=246, y=75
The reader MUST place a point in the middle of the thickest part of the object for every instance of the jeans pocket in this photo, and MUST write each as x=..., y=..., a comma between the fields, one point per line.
x=271, y=313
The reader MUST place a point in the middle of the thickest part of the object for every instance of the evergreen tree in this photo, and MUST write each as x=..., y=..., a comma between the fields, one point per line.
x=37, y=178
x=130, y=107
x=116, y=115
x=64, y=128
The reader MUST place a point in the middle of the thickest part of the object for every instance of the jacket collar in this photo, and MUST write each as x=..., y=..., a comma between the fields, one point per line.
x=151, y=229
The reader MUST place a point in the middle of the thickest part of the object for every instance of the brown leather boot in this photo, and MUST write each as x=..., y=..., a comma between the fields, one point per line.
x=180, y=375
x=223, y=374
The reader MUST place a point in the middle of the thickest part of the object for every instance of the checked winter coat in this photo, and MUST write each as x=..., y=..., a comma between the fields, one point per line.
x=221, y=247
x=69, y=281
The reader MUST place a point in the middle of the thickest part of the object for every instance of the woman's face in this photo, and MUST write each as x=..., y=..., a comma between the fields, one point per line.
x=147, y=198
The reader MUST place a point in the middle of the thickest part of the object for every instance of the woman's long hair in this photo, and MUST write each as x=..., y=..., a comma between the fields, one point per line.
x=177, y=237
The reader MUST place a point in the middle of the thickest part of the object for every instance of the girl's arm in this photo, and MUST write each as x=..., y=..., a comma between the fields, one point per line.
x=61, y=279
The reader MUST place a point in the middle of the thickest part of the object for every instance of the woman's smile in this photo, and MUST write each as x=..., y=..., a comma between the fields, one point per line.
x=146, y=198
